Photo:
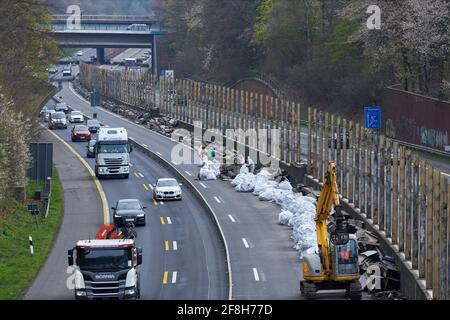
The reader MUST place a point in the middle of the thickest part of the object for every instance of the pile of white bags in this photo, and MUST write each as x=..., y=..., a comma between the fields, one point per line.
x=210, y=170
x=302, y=213
x=298, y=212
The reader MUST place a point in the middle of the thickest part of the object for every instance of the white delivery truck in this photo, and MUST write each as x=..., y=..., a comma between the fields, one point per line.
x=112, y=153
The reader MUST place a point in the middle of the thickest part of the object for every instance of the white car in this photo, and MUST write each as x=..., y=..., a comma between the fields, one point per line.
x=47, y=114
x=167, y=189
x=79, y=53
x=76, y=116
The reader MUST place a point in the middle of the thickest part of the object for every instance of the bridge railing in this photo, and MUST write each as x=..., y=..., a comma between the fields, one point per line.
x=403, y=197
x=124, y=18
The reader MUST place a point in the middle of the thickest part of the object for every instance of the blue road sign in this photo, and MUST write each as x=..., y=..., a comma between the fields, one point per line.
x=372, y=117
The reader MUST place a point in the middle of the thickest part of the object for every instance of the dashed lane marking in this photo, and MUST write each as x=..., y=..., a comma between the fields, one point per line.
x=162, y=220
x=245, y=243
x=231, y=218
x=203, y=185
x=217, y=199
x=255, y=274
x=174, y=246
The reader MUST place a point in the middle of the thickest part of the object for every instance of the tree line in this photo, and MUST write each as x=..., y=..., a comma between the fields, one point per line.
x=27, y=50
x=320, y=51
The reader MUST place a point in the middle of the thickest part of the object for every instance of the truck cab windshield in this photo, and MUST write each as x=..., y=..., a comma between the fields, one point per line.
x=103, y=259
x=112, y=148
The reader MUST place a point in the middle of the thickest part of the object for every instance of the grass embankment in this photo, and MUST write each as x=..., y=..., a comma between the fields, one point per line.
x=17, y=266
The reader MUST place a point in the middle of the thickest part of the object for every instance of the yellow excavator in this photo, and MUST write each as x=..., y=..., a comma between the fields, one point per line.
x=335, y=266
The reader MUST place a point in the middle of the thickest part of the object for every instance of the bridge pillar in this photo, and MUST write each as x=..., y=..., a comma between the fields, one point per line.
x=101, y=55
x=154, y=57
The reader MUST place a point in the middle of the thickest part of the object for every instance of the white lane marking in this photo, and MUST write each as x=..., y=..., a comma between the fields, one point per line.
x=150, y=186
x=169, y=221
x=145, y=145
x=175, y=246
x=131, y=138
x=159, y=153
x=217, y=199
x=231, y=218
x=131, y=165
x=174, y=277
x=255, y=274
x=245, y=243
x=203, y=185
x=141, y=175
x=174, y=163
x=188, y=173
x=162, y=203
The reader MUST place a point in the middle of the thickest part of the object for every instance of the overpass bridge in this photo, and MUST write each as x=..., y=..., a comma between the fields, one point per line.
x=107, y=31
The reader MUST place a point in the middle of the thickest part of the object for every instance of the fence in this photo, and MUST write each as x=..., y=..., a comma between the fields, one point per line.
x=402, y=196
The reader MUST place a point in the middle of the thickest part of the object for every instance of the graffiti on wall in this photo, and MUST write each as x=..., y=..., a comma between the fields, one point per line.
x=432, y=138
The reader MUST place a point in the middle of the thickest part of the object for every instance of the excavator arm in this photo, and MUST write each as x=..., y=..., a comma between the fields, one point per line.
x=329, y=196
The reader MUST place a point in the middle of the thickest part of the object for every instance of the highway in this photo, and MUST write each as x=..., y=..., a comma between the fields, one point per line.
x=263, y=262
x=191, y=267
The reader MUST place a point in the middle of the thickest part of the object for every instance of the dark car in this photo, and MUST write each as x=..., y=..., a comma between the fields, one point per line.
x=80, y=133
x=90, y=149
x=93, y=125
x=129, y=211
x=341, y=142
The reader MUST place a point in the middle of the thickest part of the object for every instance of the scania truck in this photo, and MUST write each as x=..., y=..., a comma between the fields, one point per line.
x=106, y=269
x=112, y=153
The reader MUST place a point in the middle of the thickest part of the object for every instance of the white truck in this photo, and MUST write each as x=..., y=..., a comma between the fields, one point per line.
x=112, y=153
x=106, y=268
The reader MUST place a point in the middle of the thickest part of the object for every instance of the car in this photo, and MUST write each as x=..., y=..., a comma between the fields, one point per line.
x=47, y=115
x=76, y=116
x=43, y=111
x=93, y=125
x=341, y=142
x=90, y=148
x=80, y=133
x=62, y=106
x=57, y=120
x=167, y=189
x=67, y=72
x=80, y=53
x=129, y=211
x=52, y=70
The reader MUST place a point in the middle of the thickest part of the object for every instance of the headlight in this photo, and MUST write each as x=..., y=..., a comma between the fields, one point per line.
x=102, y=169
x=117, y=216
x=130, y=292
x=141, y=215
x=126, y=169
x=80, y=293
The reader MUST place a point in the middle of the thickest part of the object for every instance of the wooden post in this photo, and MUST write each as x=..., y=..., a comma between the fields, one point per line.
x=388, y=189
x=415, y=212
x=436, y=233
x=408, y=213
x=401, y=197
x=310, y=119
x=422, y=218
x=394, y=210
x=429, y=231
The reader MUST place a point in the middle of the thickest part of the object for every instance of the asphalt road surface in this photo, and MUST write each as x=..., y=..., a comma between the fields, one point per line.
x=263, y=262
x=195, y=262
